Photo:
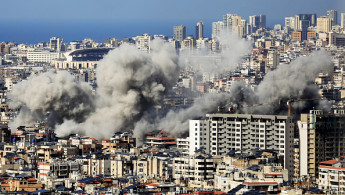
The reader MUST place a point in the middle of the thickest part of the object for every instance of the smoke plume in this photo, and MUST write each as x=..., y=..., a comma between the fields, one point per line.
x=130, y=82
x=233, y=49
x=52, y=96
x=288, y=81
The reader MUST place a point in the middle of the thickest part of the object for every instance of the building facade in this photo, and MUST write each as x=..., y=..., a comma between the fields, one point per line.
x=333, y=15
x=322, y=137
x=220, y=133
x=42, y=56
x=179, y=33
x=331, y=178
x=257, y=21
x=324, y=24
x=342, y=20
x=199, y=30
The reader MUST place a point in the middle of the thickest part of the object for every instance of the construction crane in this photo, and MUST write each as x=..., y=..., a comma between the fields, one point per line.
x=299, y=100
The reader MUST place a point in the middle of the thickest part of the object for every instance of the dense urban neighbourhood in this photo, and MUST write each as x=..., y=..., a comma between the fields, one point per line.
x=250, y=110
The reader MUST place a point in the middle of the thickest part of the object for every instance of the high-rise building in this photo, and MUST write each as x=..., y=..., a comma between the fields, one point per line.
x=257, y=21
x=228, y=21
x=220, y=133
x=199, y=30
x=290, y=22
x=321, y=138
x=241, y=28
x=179, y=33
x=333, y=15
x=56, y=43
x=304, y=25
x=324, y=24
x=303, y=19
x=234, y=23
x=217, y=28
x=342, y=20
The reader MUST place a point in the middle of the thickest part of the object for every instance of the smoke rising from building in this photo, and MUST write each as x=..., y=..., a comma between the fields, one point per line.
x=131, y=82
x=54, y=96
x=233, y=49
x=288, y=81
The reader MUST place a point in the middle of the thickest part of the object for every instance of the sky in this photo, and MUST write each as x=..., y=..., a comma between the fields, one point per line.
x=34, y=21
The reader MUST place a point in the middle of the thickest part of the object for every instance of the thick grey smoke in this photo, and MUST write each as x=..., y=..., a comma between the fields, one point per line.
x=293, y=80
x=130, y=82
x=176, y=122
x=233, y=49
x=54, y=96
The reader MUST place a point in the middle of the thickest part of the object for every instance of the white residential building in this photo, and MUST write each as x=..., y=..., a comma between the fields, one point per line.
x=143, y=42
x=220, y=133
x=332, y=177
x=217, y=28
x=42, y=56
x=195, y=169
x=342, y=20
x=290, y=22
x=183, y=145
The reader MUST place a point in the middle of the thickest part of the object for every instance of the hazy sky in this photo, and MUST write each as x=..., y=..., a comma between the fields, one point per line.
x=20, y=18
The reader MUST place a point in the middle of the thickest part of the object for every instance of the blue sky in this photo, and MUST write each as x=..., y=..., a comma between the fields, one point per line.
x=34, y=20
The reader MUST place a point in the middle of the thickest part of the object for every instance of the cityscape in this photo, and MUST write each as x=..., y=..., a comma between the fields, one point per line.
x=250, y=109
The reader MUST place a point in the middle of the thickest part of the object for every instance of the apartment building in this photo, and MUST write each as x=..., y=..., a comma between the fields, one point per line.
x=221, y=133
x=193, y=169
x=59, y=169
x=42, y=56
x=148, y=166
x=331, y=178
x=183, y=145
x=20, y=184
x=322, y=137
